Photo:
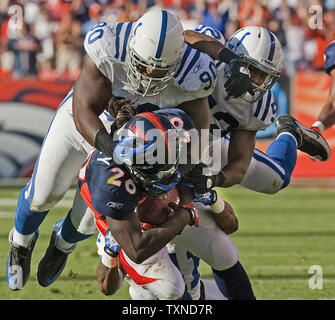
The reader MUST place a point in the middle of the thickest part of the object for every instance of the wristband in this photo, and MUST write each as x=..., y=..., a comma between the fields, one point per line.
x=226, y=55
x=108, y=261
x=193, y=212
x=218, y=206
x=220, y=179
x=104, y=142
x=319, y=125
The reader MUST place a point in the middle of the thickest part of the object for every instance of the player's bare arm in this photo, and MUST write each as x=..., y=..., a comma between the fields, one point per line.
x=206, y=44
x=108, y=278
x=241, y=148
x=91, y=94
x=226, y=219
x=139, y=245
x=199, y=111
x=327, y=114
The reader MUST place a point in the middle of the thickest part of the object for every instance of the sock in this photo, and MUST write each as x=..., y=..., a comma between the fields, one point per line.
x=220, y=283
x=186, y=295
x=26, y=220
x=22, y=240
x=284, y=151
x=237, y=283
x=69, y=232
x=62, y=244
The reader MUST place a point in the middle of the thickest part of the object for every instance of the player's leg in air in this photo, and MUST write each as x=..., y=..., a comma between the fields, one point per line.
x=62, y=153
x=271, y=171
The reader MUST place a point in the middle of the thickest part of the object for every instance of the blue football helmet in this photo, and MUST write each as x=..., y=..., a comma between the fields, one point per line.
x=149, y=149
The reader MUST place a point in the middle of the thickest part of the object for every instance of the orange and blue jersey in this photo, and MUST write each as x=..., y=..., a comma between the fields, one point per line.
x=107, y=187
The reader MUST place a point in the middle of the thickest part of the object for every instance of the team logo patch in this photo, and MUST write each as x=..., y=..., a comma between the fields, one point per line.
x=198, y=66
x=115, y=205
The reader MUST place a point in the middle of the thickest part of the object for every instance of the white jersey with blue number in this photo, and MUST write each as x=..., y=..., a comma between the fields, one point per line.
x=106, y=44
x=236, y=113
x=227, y=115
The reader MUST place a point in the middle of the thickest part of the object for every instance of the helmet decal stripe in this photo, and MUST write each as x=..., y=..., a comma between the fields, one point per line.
x=156, y=122
x=190, y=66
x=126, y=37
x=162, y=35
x=272, y=48
x=117, y=40
x=241, y=40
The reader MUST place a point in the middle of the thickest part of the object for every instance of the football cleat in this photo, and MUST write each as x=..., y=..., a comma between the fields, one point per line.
x=309, y=140
x=18, y=262
x=53, y=262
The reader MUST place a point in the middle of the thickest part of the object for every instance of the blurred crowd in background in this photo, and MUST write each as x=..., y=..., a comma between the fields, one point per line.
x=49, y=42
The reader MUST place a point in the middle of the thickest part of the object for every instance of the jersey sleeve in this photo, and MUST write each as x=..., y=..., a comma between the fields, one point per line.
x=330, y=57
x=106, y=43
x=196, y=74
x=264, y=112
x=106, y=188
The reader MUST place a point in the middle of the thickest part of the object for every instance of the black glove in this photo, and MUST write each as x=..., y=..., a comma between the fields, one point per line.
x=198, y=181
x=239, y=81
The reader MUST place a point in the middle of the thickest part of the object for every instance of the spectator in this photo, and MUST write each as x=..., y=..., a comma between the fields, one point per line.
x=68, y=42
x=44, y=29
x=94, y=13
x=25, y=47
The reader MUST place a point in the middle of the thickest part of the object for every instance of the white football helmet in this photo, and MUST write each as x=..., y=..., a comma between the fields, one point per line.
x=261, y=50
x=156, y=44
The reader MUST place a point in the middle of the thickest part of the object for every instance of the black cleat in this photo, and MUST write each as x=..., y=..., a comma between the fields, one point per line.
x=53, y=262
x=18, y=262
x=309, y=140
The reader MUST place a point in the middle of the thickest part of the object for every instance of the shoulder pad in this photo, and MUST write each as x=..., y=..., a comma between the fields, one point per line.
x=106, y=43
x=196, y=72
x=330, y=57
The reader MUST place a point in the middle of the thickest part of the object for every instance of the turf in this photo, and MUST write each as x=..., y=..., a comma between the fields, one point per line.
x=279, y=238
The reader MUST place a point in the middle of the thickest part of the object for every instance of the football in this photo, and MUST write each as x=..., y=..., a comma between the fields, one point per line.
x=155, y=211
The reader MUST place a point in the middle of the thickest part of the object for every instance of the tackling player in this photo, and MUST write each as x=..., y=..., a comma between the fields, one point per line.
x=146, y=61
x=326, y=117
x=241, y=118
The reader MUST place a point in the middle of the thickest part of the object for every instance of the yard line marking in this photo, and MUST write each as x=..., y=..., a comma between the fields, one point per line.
x=10, y=202
x=7, y=214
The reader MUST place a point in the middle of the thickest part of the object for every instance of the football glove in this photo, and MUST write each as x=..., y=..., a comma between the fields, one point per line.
x=207, y=198
x=198, y=181
x=239, y=81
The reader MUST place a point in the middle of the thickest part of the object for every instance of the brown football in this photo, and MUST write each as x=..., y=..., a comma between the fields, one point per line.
x=151, y=209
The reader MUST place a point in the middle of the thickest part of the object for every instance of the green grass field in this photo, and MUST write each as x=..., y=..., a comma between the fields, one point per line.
x=279, y=238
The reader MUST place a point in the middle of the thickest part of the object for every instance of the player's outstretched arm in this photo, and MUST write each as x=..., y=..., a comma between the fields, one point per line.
x=108, y=278
x=91, y=94
x=139, y=245
x=239, y=82
x=241, y=148
x=326, y=117
x=208, y=44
